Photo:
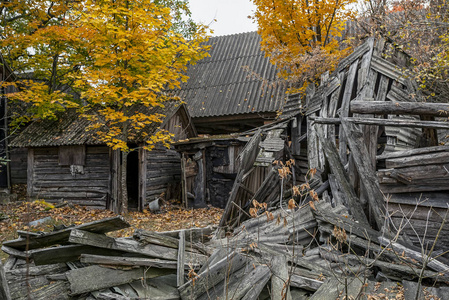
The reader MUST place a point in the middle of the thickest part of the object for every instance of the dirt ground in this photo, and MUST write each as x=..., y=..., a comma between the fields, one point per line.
x=18, y=214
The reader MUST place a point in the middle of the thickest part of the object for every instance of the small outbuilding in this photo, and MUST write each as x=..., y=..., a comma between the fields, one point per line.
x=67, y=162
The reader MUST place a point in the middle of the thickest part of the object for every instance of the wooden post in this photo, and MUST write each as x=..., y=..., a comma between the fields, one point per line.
x=142, y=178
x=181, y=258
x=337, y=169
x=366, y=171
x=30, y=172
x=183, y=181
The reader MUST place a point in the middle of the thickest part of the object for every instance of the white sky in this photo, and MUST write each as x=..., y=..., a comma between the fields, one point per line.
x=231, y=15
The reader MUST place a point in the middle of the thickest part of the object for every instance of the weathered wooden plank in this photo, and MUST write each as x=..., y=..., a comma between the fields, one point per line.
x=305, y=282
x=181, y=258
x=66, y=253
x=412, y=152
x=85, y=280
x=128, y=245
x=132, y=261
x=212, y=276
x=432, y=263
x=257, y=279
x=366, y=171
x=388, y=69
x=333, y=288
x=358, y=52
x=338, y=170
x=384, y=122
x=400, y=108
x=61, y=236
x=280, y=287
x=4, y=288
x=418, y=160
x=347, y=95
x=430, y=199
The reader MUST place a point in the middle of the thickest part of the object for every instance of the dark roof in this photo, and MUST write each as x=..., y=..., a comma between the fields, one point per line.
x=70, y=129
x=220, y=85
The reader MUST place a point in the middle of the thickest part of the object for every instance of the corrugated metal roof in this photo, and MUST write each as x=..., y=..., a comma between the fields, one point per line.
x=222, y=84
x=70, y=129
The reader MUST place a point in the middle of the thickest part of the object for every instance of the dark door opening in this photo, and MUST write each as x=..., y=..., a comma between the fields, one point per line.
x=132, y=180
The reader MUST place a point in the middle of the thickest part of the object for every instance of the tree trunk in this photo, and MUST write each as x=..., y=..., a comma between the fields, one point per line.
x=124, y=189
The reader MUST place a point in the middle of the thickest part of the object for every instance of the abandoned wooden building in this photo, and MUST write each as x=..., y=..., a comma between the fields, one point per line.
x=235, y=89
x=67, y=162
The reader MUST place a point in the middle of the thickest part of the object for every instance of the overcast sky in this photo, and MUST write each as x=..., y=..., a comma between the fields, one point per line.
x=231, y=15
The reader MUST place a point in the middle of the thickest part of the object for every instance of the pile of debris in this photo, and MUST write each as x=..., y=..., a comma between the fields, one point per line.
x=314, y=251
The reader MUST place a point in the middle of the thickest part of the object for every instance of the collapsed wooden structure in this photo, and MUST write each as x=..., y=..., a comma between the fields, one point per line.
x=345, y=197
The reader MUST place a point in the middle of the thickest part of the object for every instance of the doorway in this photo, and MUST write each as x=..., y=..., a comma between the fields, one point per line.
x=132, y=180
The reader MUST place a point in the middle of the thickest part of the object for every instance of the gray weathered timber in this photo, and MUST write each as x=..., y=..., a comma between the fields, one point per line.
x=131, y=261
x=391, y=270
x=280, y=285
x=258, y=283
x=181, y=258
x=305, y=283
x=128, y=245
x=358, y=52
x=85, y=280
x=333, y=288
x=384, y=122
x=412, y=152
x=430, y=199
x=432, y=263
x=347, y=94
x=313, y=154
x=209, y=278
x=4, y=288
x=365, y=169
x=418, y=160
x=62, y=236
x=244, y=285
x=338, y=170
x=66, y=253
x=400, y=108
x=388, y=69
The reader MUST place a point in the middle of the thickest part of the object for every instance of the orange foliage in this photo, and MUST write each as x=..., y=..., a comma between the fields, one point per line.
x=300, y=36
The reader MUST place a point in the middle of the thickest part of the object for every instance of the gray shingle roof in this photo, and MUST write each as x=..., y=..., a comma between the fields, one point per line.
x=70, y=129
x=221, y=85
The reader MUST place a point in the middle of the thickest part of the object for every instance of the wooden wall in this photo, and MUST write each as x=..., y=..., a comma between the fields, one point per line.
x=18, y=165
x=163, y=170
x=51, y=181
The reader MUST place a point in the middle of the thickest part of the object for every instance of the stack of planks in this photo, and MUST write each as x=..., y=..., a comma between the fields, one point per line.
x=82, y=262
x=311, y=252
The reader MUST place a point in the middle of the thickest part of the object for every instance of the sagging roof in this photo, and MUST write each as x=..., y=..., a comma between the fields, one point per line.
x=222, y=84
x=70, y=129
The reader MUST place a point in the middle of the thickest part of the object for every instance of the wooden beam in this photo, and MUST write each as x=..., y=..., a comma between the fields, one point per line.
x=366, y=171
x=384, y=122
x=62, y=236
x=400, y=108
x=337, y=169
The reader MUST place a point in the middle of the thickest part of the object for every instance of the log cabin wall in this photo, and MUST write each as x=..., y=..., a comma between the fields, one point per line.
x=163, y=174
x=18, y=165
x=86, y=185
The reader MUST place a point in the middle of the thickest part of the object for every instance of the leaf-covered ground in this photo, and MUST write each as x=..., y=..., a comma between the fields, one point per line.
x=17, y=215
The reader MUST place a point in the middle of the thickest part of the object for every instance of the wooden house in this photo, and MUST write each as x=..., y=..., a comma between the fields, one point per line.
x=235, y=89
x=67, y=162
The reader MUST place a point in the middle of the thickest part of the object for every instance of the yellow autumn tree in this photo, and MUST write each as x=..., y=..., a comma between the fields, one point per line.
x=303, y=37
x=40, y=44
x=113, y=60
x=135, y=54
